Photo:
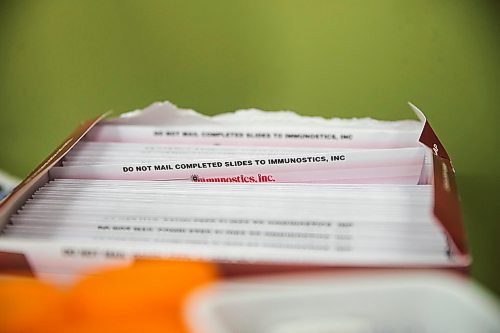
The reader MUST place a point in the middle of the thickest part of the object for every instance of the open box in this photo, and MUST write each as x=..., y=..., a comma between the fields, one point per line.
x=64, y=260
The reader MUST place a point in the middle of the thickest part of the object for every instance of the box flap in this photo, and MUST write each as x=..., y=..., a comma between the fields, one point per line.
x=446, y=199
x=9, y=204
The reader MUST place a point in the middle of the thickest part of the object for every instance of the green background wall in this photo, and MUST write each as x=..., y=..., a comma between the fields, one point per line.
x=65, y=61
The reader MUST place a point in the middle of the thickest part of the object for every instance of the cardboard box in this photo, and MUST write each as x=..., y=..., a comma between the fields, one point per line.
x=63, y=261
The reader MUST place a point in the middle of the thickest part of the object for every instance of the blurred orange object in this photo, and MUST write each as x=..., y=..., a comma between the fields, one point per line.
x=146, y=297
x=150, y=290
x=28, y=305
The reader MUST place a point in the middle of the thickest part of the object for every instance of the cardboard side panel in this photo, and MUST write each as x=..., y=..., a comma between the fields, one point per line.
x=446, y=200
x=19, y=197
x=241, y=269
x=39, y=176
x=446, y=203
x=14, y=264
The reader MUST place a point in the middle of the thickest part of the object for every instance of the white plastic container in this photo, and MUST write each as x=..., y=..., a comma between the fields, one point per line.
x=369, y=303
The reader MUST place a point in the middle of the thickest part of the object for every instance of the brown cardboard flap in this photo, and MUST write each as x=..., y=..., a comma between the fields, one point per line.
x=446, y=200
x=430, y=139
x=53, y=158
x=446, y=203
x=14, y=264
